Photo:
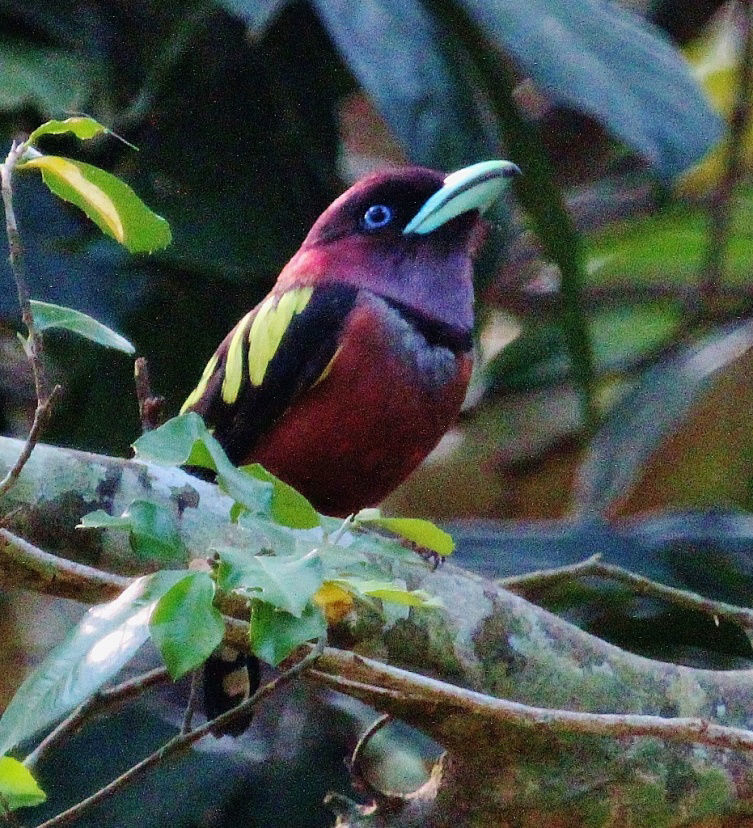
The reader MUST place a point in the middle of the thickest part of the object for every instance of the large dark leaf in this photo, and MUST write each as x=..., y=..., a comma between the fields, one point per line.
x=648, y=414
x=415, y=83
x=603, y=60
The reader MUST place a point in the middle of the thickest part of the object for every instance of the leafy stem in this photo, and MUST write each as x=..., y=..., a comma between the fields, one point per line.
x=33, y=344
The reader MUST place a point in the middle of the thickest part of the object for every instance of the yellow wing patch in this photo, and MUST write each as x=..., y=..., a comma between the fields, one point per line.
x=231, y=383
x=268, y=328
x=198, y=392
x=265, y=332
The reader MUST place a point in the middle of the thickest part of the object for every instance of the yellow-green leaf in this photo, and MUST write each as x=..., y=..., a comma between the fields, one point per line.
x=422, y=532
x=81, y=126
x=393, y=591
x=109, y=202
x=18, y=786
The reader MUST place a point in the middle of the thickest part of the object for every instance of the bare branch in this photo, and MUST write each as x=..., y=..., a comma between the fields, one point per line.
x=417, y=697
x=193, y=700
x=547, y=577
x=24, y=565
x=184, y=740
x=96, y=705
x=34, y=349
x=41, y=418
x=33, y=345
x=151, y=407
x=594, y=567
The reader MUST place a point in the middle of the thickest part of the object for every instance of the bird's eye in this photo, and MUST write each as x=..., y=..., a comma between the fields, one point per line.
x=376, y=217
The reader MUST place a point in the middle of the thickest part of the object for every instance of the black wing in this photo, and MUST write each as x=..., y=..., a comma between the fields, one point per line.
x=274, y=353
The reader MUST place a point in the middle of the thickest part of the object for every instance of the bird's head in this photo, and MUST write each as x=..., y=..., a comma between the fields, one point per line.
x=407, y=234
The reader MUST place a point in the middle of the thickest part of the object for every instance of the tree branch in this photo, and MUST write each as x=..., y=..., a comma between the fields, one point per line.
x=594, y=567
x=193, y=700
x=151, y=407
x=534, y=686
x=24, y=565
x=41, y=418
x=414, y=697
x=34, y=349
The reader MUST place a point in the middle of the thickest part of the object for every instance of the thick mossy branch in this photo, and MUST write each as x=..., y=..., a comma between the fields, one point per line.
x=541, y=759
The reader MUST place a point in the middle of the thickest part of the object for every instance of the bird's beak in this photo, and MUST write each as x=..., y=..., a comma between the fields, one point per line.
x=472, y=188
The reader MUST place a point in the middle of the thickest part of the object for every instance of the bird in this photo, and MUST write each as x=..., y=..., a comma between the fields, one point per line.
x=349, y=372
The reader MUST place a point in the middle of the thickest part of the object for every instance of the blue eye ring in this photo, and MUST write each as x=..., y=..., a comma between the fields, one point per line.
x=376, y=217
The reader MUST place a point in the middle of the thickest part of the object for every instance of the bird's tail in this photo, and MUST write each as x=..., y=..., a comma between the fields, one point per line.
x=230, y=677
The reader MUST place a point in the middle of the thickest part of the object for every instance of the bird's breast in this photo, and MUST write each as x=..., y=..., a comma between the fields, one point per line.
x=388, y=396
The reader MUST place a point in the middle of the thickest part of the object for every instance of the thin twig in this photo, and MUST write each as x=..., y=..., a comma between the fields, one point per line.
x=41, y=418
x=101, y=702
x=193, y=700
x=184, y=740
x=722, y=200
x=547, y=577
x=594, y=567
x=33, y=345
x=151, y=407
x=34, y=349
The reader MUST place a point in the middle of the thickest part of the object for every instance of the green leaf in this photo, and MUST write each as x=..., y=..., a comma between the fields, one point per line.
x=185, y=440
x=174, y=443
x=47, y=315
x=286, y=581
x=393, y=591
x=275, y=634
x=109, y=202
x=105, y=639
x=185, y=626
x=288, y=507
x=621, y=336
x=18, y=787
x=422, y=532
x=99, y=519
x=80, y=125
x=154, y=534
